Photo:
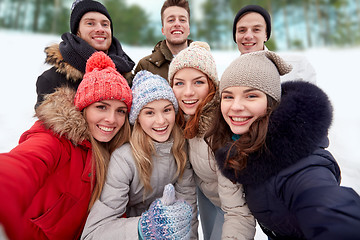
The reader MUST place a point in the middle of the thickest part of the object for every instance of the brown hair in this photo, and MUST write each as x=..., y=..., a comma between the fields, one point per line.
x=191, y=126
x=220, y=134
x=175, y=3
x=101, y=153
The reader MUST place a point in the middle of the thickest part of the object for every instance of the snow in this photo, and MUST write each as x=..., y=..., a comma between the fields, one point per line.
x=22, y=61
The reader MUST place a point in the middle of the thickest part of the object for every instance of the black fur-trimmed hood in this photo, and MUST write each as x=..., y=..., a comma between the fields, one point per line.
x=297, y=128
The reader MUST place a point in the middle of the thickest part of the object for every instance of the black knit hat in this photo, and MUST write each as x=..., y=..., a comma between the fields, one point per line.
x=257, y=9
x=80, y=7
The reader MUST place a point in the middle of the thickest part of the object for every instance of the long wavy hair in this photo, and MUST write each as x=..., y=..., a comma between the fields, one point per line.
x=143, y=149
x=191, y=126
x=101, y=152
x=252, y=141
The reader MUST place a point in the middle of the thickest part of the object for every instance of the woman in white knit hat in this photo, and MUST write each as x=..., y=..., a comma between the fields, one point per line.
x=223, y=210
x=271, y=138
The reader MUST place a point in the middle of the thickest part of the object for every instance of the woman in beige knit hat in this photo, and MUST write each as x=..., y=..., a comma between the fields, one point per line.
x=271, y=138
x=223, y=210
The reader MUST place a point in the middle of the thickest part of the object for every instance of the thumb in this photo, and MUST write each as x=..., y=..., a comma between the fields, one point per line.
x=168, y=197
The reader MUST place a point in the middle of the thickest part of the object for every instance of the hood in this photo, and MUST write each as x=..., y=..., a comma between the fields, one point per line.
x=297, y=128
x=58, y=113
x=54, y=58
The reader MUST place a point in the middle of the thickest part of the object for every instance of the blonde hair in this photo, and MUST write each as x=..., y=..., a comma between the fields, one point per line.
x=143, y=148
x=101, y=153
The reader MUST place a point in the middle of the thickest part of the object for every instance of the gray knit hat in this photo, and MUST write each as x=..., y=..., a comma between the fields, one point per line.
x=260, y=70
x=197, y=56
x=148, y=87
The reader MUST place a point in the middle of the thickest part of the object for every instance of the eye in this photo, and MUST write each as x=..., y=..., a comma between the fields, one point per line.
x=101, y=107
x=122, y=111
x=149, y=112
x=168, y=109
x=227, y=96
x=198, y=82
x=178, y=84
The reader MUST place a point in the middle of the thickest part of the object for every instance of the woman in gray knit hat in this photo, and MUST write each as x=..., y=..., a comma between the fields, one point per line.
x=271, y=138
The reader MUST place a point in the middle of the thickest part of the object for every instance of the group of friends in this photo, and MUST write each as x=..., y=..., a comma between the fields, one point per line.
x=141, y=152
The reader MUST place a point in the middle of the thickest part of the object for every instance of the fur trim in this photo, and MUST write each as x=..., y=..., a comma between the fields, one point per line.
x=54, y=58
x=296, y=129
x=59, y=114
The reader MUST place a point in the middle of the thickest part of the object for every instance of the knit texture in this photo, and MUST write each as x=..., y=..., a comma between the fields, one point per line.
x=257, y=9
x=260, y=70
x=167, y=218
x=148, y=87
x=197, y=56
x=80, y=7
x=102, y=82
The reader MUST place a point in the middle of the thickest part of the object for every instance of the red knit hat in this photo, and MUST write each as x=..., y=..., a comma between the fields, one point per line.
x=102, y=82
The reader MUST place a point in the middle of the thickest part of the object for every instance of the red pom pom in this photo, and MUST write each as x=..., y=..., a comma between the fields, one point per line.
x=99, y=60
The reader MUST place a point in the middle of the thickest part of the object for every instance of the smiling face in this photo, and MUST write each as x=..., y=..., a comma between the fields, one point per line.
x=157, y=119
x=241, y=106
x=94, y=28
x=251, y=33
x=176, y=28
x=105, y=118
x=191, y=88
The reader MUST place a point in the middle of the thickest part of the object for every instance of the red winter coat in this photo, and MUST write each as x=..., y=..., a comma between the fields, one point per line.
x=45, y=182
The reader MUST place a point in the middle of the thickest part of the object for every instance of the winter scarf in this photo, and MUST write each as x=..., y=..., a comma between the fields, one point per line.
x=77, y=51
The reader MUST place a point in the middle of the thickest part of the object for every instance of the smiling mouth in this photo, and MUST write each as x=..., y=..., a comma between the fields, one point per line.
x=106, y=129
x=248, y=44
x=160, y=129
x=190, y=101
x=240, y=119
x=177, y=32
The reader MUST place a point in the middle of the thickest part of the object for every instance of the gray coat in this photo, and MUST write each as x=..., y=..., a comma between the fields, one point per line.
x=123, y=193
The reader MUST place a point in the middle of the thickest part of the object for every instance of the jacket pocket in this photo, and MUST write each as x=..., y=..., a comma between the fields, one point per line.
x=54, y=215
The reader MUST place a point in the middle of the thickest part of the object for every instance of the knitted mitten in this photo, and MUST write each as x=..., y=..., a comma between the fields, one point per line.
x=167, y=218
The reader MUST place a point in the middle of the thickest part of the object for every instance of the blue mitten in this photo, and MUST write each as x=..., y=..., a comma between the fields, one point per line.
x=167, y=218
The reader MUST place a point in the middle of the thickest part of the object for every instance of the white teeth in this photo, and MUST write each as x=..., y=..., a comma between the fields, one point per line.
x=248, y=44
x=160, y=129
x=106, y=129
x=99, y=38
x=189, y=101
x=239, y=119
x=177, y=32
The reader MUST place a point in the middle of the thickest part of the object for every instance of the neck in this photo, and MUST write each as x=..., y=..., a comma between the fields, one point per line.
x=176, y=48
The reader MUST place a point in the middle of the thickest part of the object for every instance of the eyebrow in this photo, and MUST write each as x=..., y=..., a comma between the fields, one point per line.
x=245, y=91
x=196, y=78
x=154, y=108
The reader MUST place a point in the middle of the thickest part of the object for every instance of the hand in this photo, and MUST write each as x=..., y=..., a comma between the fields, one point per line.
x=167, y=218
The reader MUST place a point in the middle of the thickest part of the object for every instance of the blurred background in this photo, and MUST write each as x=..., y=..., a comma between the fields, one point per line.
x=296, y=24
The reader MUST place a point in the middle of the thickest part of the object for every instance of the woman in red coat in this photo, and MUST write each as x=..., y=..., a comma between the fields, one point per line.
x=51, y=179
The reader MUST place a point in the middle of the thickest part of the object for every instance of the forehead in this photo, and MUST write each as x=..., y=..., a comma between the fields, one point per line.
x=175, y=11
x=250, y=19
x=95, y=15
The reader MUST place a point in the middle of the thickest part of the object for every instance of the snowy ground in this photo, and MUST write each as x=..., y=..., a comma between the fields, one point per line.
x=22, y=60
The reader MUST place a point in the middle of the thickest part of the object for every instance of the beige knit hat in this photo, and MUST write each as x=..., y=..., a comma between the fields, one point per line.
x=197, y=56
x=260, y=70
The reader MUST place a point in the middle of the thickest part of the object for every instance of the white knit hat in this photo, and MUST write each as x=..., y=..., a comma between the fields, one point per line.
x=148, y=87
x=197, y=56
x=260, y=70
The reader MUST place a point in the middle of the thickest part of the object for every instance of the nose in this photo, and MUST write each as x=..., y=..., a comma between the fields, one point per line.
x=238, y=105
x=160, y=119
x=189, y=90
x=110, y=117
x=99, y=27
x=248, y=34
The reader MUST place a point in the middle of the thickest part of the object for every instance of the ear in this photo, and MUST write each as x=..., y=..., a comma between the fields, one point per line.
x=162, y=31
